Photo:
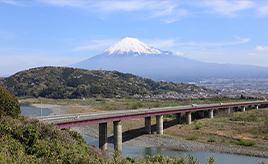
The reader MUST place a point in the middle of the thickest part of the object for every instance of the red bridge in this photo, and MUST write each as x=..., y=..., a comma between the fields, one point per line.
x=101, y=118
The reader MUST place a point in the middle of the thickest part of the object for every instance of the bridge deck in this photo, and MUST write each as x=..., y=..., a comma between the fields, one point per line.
x=82, y=119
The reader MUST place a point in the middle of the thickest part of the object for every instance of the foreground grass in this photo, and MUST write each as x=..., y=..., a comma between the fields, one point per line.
x=249, y=129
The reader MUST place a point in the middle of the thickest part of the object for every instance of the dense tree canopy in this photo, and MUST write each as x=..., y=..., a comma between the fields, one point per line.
x=9, y=105
x=64, y=82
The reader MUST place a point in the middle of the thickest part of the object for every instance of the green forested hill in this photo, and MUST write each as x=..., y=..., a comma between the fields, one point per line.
x=64, y=82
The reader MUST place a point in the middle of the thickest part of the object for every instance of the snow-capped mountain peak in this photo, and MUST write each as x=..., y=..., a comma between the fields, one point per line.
x=132, y=45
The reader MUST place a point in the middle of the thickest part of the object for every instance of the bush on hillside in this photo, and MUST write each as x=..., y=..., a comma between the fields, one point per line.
x=9, y=105
x=25, y=140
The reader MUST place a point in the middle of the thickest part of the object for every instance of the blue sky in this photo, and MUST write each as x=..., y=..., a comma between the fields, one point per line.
x=61, y=32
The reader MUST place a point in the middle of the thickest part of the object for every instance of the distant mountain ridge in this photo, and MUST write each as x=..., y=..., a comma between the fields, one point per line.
x=64, y=82
x=132, y=56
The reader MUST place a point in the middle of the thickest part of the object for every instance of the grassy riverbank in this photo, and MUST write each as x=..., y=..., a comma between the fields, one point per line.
x=106, y=104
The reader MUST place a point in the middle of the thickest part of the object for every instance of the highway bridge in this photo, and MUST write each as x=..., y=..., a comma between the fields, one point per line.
x=101, y=118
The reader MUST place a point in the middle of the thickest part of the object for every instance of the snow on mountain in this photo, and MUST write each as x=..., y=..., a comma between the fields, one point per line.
x=131, y=46
x=132, y=56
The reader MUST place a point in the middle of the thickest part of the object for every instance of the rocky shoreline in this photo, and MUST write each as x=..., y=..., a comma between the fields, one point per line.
x=156, y=141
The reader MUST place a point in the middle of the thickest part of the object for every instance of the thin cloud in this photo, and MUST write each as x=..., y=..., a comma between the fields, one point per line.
x=170, y=11
x=96, y=45
x=208, y=44
x=167, y=10
x=161, y=44
x=261, y=48
x=228, y=8
x=263, y=10
x=177, y=15
x=11, y=2
x=178, y=54
x=251, y=54
x=66, y=3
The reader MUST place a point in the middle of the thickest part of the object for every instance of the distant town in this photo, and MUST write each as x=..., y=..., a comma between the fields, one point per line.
x=236, y=87
x=232, y=88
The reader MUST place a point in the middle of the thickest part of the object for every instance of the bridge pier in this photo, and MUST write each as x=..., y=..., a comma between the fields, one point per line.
x=117, y=135
x=147, y=129
x=159, y=125
x=103, y=136
x=228, y=111
x=256, y=107
x=210, y=113
x=243, y=108
x=178, y=118
x=188, y=118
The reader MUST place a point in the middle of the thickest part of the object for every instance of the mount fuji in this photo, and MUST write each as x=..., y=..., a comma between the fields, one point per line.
x=132, y=56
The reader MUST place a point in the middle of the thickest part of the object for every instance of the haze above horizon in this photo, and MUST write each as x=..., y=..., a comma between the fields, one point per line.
x=62, y=32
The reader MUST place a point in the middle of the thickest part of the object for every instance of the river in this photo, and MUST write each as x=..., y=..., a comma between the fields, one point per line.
x=27, y=110
x=136, y=152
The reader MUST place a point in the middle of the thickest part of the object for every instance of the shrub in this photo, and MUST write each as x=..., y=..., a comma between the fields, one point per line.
x=244, y=143
x=256, y=132
x=157, y=105
x=212, y=139
x=9, y=105
x=191, y=137
x=137, y=105
x=245, y=117
x=211, y=160
x=198, y=126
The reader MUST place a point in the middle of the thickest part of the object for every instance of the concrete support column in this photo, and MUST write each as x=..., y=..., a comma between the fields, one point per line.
x=243, y=108
x=210, y=113
x=147, y=129
x=159, y=125
x=256, y=107
x=188, y=118
x=103, y=136
x=201, y=114
x=117, y=135
x=178, y=118
x=228, y=110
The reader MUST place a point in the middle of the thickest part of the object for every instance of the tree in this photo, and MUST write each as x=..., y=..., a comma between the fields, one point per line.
x=9, y=104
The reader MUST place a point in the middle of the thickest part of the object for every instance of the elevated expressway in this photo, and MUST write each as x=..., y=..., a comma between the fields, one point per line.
x=101, y=118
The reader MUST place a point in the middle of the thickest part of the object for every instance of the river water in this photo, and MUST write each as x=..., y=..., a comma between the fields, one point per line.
x=136, y=152
x=32, y=111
